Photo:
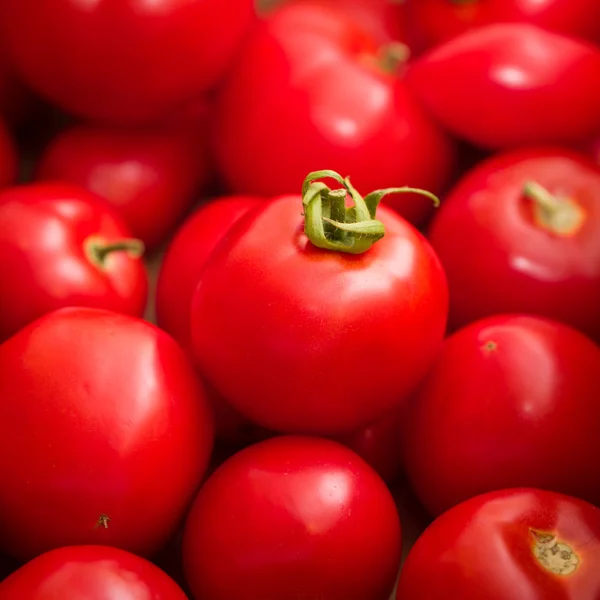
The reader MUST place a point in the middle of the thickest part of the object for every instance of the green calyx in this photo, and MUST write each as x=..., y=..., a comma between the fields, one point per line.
x=331, y=224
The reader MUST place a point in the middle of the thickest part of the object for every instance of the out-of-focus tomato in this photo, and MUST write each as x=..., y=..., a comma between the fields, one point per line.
x=431, y=22
x=521, y=233
x=8, y=157
x=286, y=301
x=124, y=61
x=293, y=517
x=90, y=573
x=151, y=177
x=62, y=246
x=112, y=432
x=511, y=401
x=510, y=85
x=522, y=544
x=310, y=90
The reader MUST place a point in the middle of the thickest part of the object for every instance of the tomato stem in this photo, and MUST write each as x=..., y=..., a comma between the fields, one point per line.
x=393, y=56
x=561, y=216
x=97, y=249
x=331, y=225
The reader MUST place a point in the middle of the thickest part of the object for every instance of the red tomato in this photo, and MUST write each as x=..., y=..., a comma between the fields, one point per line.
x=62, y=246
x=432, y=22
x=90, y=572
x=311, y=91
x=151, y=177
x=511, y=401
x=293, y=517
x=520, y=544
x=508, y=85
x=520, y=233
x=111, y=429
x=377, y=444
x=8, y=158
x=178, y=277
x=124, y=61
x=280, y=316
x=15, y=100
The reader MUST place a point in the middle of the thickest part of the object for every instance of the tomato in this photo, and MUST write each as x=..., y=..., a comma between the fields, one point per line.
x=280, y=315
x=293, y=517
x=523, y=544
x=178, y=277
x=151, y=177
x=311, y=91
x=508, y=85
x=90, y=572
x=519, y=233
x=124, y=61
x=377, y=444
x=511, y=401
x=105, y=434
x=8, y=158
x=15, y=99
x=432, y=22
x=62, y=246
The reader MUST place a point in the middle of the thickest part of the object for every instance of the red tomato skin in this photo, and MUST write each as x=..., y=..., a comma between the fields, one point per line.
x=15, y=99
x=90, y=572
x=482, y=549
x=161, y=54
x=309, y=92
x=43, y=262
x=481, y=421
x=289, y=319
x=107, y=417
x=8, y=157
x=186, y=257
x=433, y=22
x=293, y=517
x=507, y=85
x=498, y=259
x=151, y=177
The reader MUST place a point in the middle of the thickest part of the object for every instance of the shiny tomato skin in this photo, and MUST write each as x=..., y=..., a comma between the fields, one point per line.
x=186, y=257
x=310, y=519
x=290, y=319
x=433, y=22
x=44, y=264
x=509, y=402
x=90, y=572
x=507, y=85
x=309, y=93
x=500, y=259
x=112, y=429
x=483, y=549
x=8, y=157
x=150, y=176
x=123, y=61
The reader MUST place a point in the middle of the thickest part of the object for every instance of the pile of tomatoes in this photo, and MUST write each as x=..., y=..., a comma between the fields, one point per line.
x=269, y=275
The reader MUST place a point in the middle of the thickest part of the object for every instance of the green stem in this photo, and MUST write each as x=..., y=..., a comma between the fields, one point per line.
x=331, y=225
x=393, y=56
x=98, y=249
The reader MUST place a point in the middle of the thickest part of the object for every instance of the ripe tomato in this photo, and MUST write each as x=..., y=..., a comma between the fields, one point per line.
x=511, y=401
x=311, y=91
x=508, y=85
x=523, y=544
x=8, y=158
x=377, y=444
x=280, y=315
x=15, y=99
x=123, y=61
x=432, y=22
x=62, y=246
x=90, y=572
x=111, y=429
x=519, y=233
x=178, y=277
x=293, y=517
x=151, y=177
